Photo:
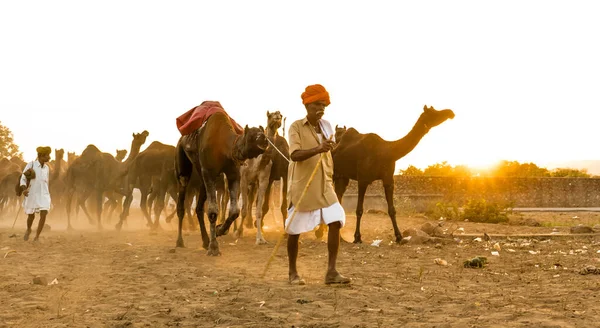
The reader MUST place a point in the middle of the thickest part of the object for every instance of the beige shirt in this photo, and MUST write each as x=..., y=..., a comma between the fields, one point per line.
x=320, y=193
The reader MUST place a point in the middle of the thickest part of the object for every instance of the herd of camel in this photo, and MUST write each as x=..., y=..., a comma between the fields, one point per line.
x=215, y=166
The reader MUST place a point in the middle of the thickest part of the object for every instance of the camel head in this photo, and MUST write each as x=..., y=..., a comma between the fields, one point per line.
x=140, y=138
x=71, y=157
x=274, y=120
x=432, y=117
x=59, y=154
x=121, y=153
x=253, y=142
x=339, y=132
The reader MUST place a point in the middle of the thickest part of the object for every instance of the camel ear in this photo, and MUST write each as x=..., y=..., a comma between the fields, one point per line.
x=336, y=126
x=133, y=135
x=246, y=129
x=344, y=127
x=424, y=107
x=261, y=128
x=268, y=114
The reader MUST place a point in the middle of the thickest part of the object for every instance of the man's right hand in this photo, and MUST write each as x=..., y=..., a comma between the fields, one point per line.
x=24, y=191
x=326, y=146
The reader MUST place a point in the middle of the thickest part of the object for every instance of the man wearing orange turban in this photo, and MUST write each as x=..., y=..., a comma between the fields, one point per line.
x=37, y=194
x=315, y=92
x=308, y=138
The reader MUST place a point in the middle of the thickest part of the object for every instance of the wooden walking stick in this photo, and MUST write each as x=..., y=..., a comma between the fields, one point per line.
x=312, y=176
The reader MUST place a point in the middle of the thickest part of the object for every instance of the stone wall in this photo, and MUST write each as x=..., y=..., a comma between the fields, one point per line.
x=522, y=192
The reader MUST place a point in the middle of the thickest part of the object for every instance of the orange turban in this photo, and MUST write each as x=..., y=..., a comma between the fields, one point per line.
x=314, y=93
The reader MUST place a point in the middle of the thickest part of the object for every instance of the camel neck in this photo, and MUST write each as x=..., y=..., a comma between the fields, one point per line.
x=403, y=146
x=237, y=151
x=133, y=151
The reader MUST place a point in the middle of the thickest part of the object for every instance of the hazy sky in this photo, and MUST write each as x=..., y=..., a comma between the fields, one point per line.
x=523, y=77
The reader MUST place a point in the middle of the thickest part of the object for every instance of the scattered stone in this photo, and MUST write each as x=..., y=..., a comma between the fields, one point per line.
x=303, y=301
x=172, y=250
x=434, y=229
x=581, y=229
x=476, y=262
x=589, y=269
x=40, y=281
x=440, y=262
x=530, y=222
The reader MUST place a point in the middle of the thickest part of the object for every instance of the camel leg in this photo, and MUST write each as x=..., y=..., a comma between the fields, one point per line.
x=125, y=211
x=173, y=195
x=239, y=231
x=362, y=190
x=233, y=182
x=266, y=203
x=144, y=206
x=213, y=212
x=183, y=183
x=200, y=216
x=159, y=205
x=99, y=194
x=389, y=197
x=70, y=194
x=262, y=199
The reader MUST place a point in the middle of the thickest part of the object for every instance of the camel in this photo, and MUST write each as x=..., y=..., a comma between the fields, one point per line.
x=339, y=133
x=367, y=157
x=149, y=172
x=258, y=175
x=121, y=153
x=99, y=173
x=57, y=185
x=211, y=150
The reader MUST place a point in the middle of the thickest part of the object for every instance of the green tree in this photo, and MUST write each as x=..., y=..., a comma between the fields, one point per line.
x=570, y=173
x=442, y=169
x=411, y=170
x=8, y=148
x=516, y=169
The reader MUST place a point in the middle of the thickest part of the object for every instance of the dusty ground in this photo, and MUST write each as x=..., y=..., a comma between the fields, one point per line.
x=135, y=279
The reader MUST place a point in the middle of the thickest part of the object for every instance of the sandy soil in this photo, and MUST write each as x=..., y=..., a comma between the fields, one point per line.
x=135, y=278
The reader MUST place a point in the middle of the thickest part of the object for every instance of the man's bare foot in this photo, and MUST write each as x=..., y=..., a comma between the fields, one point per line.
x=336, y=278
x=27, y=233
x=295, y=279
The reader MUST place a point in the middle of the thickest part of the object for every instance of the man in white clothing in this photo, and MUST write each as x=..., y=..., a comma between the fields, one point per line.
x=309, y=138
x=37, y=194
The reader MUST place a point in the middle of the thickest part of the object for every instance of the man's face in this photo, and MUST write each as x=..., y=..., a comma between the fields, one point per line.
x=43, y=158
x=316, y=109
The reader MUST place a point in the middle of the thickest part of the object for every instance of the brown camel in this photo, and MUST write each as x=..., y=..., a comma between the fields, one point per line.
x=98, y=173
x=149, y=172
x=57, y=185
x=211, y=150
x=367, y=157
x=258, y=175
x=121, y=153
x=339, y=133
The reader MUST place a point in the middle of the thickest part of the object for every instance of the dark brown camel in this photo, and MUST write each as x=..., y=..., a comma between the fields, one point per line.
x=258, y=175
x=98, y=173
x=367, y=157
x=211, y=150
x=339, y=133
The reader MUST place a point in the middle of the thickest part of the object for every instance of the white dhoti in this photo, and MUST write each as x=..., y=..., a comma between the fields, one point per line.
x=308, y=221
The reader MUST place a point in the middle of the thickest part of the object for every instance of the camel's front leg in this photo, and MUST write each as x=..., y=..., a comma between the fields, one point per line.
x=213, y=211
x=263, y=182
x=362, y=190
x=233, y=182
x=389, y=197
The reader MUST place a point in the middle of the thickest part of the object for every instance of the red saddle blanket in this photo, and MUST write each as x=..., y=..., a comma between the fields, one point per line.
x=195, y=117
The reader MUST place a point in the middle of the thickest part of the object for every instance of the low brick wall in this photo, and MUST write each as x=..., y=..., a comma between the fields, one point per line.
x=523, y=192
